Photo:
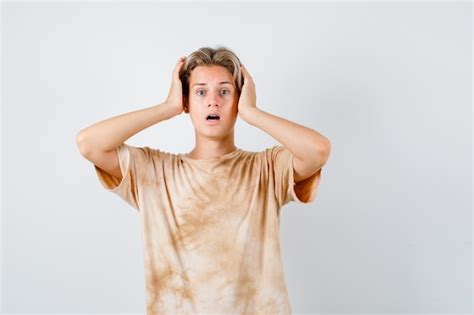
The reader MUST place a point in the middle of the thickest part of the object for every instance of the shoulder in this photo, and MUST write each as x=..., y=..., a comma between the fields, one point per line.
x=146, y=153
x=277, y=152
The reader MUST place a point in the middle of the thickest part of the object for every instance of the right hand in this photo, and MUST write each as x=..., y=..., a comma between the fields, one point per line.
x=175, y=95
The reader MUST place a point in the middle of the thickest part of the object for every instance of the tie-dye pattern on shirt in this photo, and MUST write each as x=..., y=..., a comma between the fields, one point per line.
x=211, y=227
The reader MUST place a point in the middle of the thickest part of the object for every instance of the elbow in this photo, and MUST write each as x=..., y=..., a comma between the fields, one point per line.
x=81, y=143
x=324, y=149
x=327, y=147
x=322, y=145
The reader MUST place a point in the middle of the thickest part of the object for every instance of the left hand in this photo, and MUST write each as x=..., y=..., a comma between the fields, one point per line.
x=248, y=97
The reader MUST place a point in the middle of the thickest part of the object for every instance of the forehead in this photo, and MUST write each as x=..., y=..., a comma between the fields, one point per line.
x=210, y=75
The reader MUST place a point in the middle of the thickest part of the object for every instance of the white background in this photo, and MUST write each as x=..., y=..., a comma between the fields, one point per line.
x=388, y=83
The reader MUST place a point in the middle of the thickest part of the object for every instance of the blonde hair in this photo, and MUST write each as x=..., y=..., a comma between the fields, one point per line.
x=207, y=56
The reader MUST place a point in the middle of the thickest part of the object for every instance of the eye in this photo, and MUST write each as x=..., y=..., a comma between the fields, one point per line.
x=197, y=92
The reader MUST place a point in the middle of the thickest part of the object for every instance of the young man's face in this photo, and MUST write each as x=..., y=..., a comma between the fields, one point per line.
x=212, y=91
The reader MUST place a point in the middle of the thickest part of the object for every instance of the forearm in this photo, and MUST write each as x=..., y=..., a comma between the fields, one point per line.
x=110, y=133
x=301, y=141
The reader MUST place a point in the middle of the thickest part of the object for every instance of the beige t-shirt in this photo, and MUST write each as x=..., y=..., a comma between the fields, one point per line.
x=211, y=227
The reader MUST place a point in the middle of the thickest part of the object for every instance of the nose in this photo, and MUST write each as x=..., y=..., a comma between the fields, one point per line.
x=213, y=100
x=211, y=104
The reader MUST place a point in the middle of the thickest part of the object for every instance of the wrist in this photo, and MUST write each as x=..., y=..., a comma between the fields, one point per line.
x=168, y=110
x=250, y=115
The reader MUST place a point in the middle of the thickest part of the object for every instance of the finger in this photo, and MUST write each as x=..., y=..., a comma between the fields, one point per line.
x=180, y=61
x=179, y=64
x=244, y=71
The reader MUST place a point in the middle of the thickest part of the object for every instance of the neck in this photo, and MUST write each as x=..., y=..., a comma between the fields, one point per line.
x=206, y=148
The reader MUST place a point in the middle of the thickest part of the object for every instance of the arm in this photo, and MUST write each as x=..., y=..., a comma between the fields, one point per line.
x=107, y=135
x=310, y=149
x=98, y=143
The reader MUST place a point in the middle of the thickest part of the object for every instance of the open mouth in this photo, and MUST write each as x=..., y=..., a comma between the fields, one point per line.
x=213, y=117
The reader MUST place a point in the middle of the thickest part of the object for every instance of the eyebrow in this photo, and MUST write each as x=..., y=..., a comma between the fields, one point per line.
x=223, y=82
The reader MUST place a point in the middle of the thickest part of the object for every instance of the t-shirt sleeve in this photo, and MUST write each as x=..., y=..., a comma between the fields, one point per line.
x=133, y=163
x=285, y=188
